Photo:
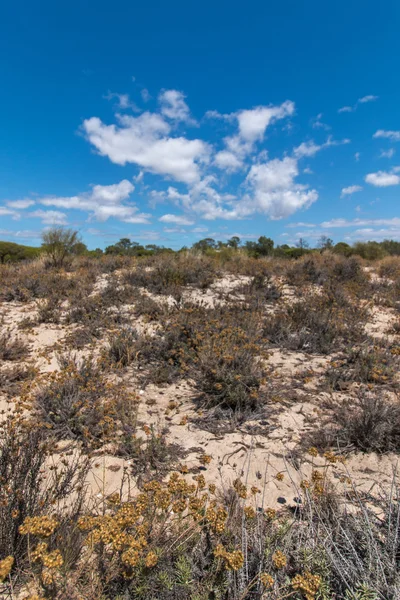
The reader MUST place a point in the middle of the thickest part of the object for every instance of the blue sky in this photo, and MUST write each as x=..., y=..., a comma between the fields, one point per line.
x=172, y=121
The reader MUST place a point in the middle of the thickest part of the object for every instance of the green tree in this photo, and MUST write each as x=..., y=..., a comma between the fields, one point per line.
x=58, y=243
x=234, y=242
x=343, y=249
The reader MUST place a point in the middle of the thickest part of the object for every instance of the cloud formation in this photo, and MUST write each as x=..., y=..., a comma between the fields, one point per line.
x=394, y=136
x=383, y=178
x=363, y=100
x=351, y=189
x=102, y=202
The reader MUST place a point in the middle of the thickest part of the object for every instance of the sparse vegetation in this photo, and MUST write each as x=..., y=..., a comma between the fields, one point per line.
x=200, y=434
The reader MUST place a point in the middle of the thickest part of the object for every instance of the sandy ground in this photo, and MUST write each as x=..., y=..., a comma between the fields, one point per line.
x=256, y=458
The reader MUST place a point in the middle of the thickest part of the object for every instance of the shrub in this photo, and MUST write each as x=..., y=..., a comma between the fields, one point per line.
x=372, y=364
x=121, y=347
x=78, y=403
x=165, y=274
x=368, y=422
x=12, y=348
x=318, y=324
x=29, y=489
x=59, y=244
x=12, y=379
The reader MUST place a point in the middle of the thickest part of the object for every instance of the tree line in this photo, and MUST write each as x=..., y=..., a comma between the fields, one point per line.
x=58, y=243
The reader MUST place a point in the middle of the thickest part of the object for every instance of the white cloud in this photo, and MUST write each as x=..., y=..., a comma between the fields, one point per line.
x=316, y=123
x=20, y=204
x=200, y=230
x=174, y=230
x=50, y=217
x=145, y=141
x=310, y=148
x=25, y=234
x=308, y=171
x=123, y=101
x=102, y=202
x=275, y=191
x=301, y=224
x=383, y=178
x=351, y=189
x=173, y=106
x=254, y=122
x=357, y=156
x=387, y=153
x=369, y=98
x=177, y=219
x=390, y=135
x=395, y=222
x=363, y=100
x=307, y=149
x=228, y=161
x=8, y=212
x=345, y=109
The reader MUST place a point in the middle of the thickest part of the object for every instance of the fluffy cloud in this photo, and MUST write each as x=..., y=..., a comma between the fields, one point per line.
x=177, y=219
x=8, y=212
x=123, y=101
x=50, y=217
x=102, y=202
x=310, y=148
x=253, y=122
x=275, y=192
x=145, y=141
x=383, y=178
x=351, y=189
x=173, y=106
x=20, y=204
x=227, y=161
x=390, y=135
x=252, y=125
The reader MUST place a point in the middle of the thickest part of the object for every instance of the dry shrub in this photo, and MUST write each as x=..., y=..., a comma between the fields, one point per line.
x=366, y=364
x=78, y=402
x=369, y=422
x=322, y=268
x=29, y=489
x=165, y=274
x=13, y=379
x=389, y=267
x=320, y=323
x=121, y=347
x=48, y=310
x=151, y=455
x=228, y=369
x=219, y=349
x=12, y=348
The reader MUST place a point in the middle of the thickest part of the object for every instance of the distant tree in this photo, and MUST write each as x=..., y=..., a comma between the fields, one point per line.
x=343, y=249
x=204, y=245
x=369, y=250
x=265, y=245
x=79, y=248
x=302, y=245
x=233, y=242
x=58, y=244
x=325, y=243
x=391, y=247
